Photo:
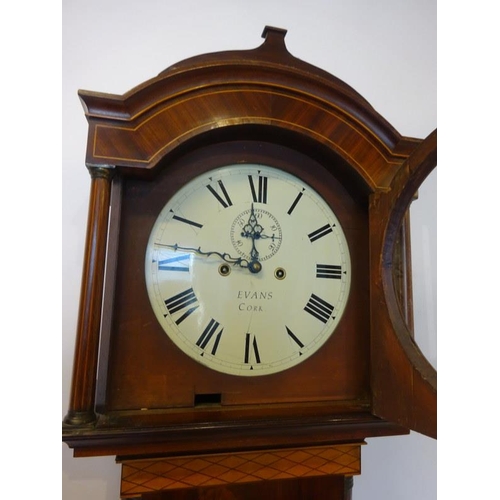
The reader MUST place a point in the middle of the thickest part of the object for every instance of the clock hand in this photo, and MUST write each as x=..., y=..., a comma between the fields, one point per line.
x=254, y=266
x=251, y=230
x=252, y=227
x=254, y=254
x=261, y=236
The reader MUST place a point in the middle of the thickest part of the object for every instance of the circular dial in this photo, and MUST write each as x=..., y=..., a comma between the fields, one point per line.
x=248, y=270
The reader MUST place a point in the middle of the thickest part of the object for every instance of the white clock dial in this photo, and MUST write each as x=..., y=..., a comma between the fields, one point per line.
x=248, y=270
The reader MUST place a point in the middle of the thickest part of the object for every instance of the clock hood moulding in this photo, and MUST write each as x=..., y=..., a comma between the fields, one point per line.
x=266, y=87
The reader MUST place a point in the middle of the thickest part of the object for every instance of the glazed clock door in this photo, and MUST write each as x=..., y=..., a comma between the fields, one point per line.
x=410, y=398
x=248, y=270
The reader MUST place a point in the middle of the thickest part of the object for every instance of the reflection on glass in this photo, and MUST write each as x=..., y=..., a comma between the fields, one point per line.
x=423, y=227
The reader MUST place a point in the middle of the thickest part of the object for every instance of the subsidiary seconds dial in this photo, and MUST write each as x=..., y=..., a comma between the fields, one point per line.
x=250, y=224
x=247, y=270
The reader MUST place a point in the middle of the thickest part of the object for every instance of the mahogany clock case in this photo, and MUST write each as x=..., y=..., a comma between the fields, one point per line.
x=134, y=392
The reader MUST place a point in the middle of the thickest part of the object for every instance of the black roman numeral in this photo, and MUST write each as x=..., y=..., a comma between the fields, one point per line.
x=259, y=195
x=294, y=204
x=182, y=301
x=170, y=264
x=319, y=233
x=294, y=337
x=187, y=221
x=327, y=271
x=207, y=335
x=319, y=308
x=251, y=346
x=224, y=200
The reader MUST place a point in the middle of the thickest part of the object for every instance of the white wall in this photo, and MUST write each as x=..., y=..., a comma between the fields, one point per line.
x=386, y=50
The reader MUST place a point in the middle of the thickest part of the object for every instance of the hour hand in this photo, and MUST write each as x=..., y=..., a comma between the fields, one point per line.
x=252, y=228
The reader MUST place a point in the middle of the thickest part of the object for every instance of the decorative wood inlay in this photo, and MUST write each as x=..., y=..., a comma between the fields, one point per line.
x=143, y=143
x=143, y=476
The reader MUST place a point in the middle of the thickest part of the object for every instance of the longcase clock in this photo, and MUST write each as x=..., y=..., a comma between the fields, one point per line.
x=243, y=322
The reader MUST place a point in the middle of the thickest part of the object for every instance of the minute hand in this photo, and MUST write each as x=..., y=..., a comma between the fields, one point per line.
x=253, y=266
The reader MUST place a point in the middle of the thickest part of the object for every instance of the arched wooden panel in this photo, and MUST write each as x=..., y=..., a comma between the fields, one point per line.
x=266, y=86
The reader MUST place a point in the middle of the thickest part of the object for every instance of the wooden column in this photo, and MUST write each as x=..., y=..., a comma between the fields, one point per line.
x=82, y=399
